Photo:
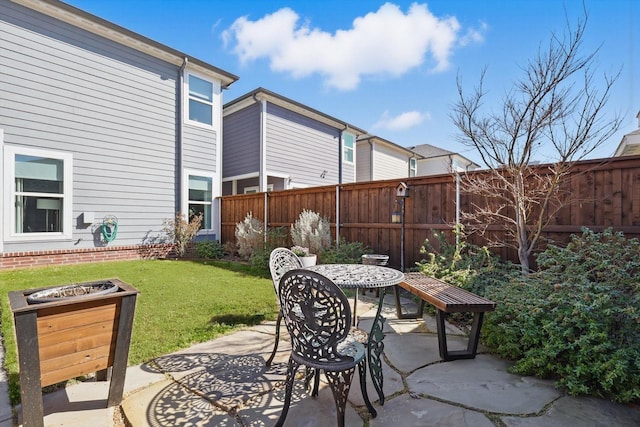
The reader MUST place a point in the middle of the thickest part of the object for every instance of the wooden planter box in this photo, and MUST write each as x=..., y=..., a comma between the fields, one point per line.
x=67, y=337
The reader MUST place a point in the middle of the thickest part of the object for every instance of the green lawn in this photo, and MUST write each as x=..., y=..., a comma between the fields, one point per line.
x=180, y=302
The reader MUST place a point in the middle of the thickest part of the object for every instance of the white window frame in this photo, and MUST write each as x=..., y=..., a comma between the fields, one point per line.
x=345, y=149
x=10, y=234
x=187, y=98
x=413, y=167
x=256, y=189
x=185, y=192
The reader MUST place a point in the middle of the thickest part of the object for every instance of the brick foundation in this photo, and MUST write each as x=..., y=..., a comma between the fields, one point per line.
x=13, y=260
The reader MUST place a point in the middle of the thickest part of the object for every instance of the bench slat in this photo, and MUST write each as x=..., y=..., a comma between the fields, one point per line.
x=444, y=296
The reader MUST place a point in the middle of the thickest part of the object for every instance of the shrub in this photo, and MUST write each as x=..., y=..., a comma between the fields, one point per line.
x=577, y=319
x=311, y=231
x=181, y=232
x=276, y=237
x=211, y=249
x=249, y=236
x=345, y=253
x=464, y=265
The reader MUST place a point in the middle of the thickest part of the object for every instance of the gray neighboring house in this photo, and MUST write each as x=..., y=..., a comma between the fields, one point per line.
x=380, y=159
x=99, y=123
x=436, y=161
x=630, y=144
x=274, y=143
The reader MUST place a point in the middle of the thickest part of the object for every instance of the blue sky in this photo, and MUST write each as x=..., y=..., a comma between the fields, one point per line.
x=388, y=67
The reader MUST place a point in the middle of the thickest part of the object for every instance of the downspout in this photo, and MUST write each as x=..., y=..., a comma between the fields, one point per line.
x=179, y=142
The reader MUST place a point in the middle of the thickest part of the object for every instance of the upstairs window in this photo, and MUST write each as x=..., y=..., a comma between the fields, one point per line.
x=412, y=167
x=348, y=142
x=200, y=199
x=39, y=192
x=200, y=105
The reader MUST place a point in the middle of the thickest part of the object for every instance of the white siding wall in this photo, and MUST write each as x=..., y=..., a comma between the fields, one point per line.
x=435, y=166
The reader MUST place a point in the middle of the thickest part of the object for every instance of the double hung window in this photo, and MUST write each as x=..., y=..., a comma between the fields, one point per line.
x=200, y=198
x=348, y=145
x=200, y=105
x=40, y=193
x=412, y=166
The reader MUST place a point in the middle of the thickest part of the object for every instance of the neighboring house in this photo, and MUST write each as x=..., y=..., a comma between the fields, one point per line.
x=381, y=159
x=100, y=125
x=630, y=144
x=436, y=161
x=274, y=143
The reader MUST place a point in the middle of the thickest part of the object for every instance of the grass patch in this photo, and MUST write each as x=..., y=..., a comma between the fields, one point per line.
x=180, y=302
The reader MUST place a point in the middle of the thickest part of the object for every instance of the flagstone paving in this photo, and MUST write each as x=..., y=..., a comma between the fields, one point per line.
x=225, y=382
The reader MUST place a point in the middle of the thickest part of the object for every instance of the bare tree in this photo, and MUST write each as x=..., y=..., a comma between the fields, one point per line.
x=555, y=109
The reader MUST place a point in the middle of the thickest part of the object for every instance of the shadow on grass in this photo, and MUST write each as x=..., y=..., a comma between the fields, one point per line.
x=237, y=319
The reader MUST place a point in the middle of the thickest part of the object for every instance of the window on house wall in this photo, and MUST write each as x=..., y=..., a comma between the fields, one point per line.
x=255, y=189
x=200, y=198
x=412, y=167
x=39, y=193
x=348, y=143
x=200, y=105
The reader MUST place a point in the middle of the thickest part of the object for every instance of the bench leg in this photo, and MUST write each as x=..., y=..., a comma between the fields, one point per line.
x=472, y=345
x=399, y=313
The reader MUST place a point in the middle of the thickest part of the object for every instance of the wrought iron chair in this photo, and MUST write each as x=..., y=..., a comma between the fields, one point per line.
x=281, y=260
x=318, y=317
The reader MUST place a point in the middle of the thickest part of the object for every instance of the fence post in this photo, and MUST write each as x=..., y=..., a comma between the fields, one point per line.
x=337, y=214
x=266, y=213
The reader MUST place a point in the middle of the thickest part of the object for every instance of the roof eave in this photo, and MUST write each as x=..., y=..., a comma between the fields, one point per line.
x=289, y=104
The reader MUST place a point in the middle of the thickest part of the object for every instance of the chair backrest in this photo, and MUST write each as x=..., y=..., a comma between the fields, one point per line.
x=282, y=260
x=317, y=315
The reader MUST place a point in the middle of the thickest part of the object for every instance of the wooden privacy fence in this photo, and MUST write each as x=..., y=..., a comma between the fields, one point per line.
x=605, y=193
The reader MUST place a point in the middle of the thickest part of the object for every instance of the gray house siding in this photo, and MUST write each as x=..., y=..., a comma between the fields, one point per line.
x=301, y=147
x=199, y=148
x=363, y=163
x=67, y=90
x=241, y=152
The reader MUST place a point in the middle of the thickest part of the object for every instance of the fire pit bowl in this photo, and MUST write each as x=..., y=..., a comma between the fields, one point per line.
x=76, y=291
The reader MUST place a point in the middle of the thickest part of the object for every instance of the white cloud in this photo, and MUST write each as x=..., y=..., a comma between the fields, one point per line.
x=402, y=121
x=474, y=35
x=387, y=42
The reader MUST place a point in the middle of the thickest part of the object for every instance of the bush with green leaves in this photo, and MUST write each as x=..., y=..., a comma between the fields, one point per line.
x=577, y=319
x=345, y=253
x=249, y=236
x=465, y=265
x=210, y=249
x=276, y=237
x=311, y=231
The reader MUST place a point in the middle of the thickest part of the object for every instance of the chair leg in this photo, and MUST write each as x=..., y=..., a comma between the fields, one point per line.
x=315, y=373
x=340, y=383
x=308, y=375
x=362, y=371
x=275, y=345
x=291, y=376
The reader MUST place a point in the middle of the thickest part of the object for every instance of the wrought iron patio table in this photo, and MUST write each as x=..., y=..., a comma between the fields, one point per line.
x=362, y=276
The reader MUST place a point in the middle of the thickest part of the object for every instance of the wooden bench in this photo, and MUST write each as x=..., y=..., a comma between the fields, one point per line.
x=446, y=298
